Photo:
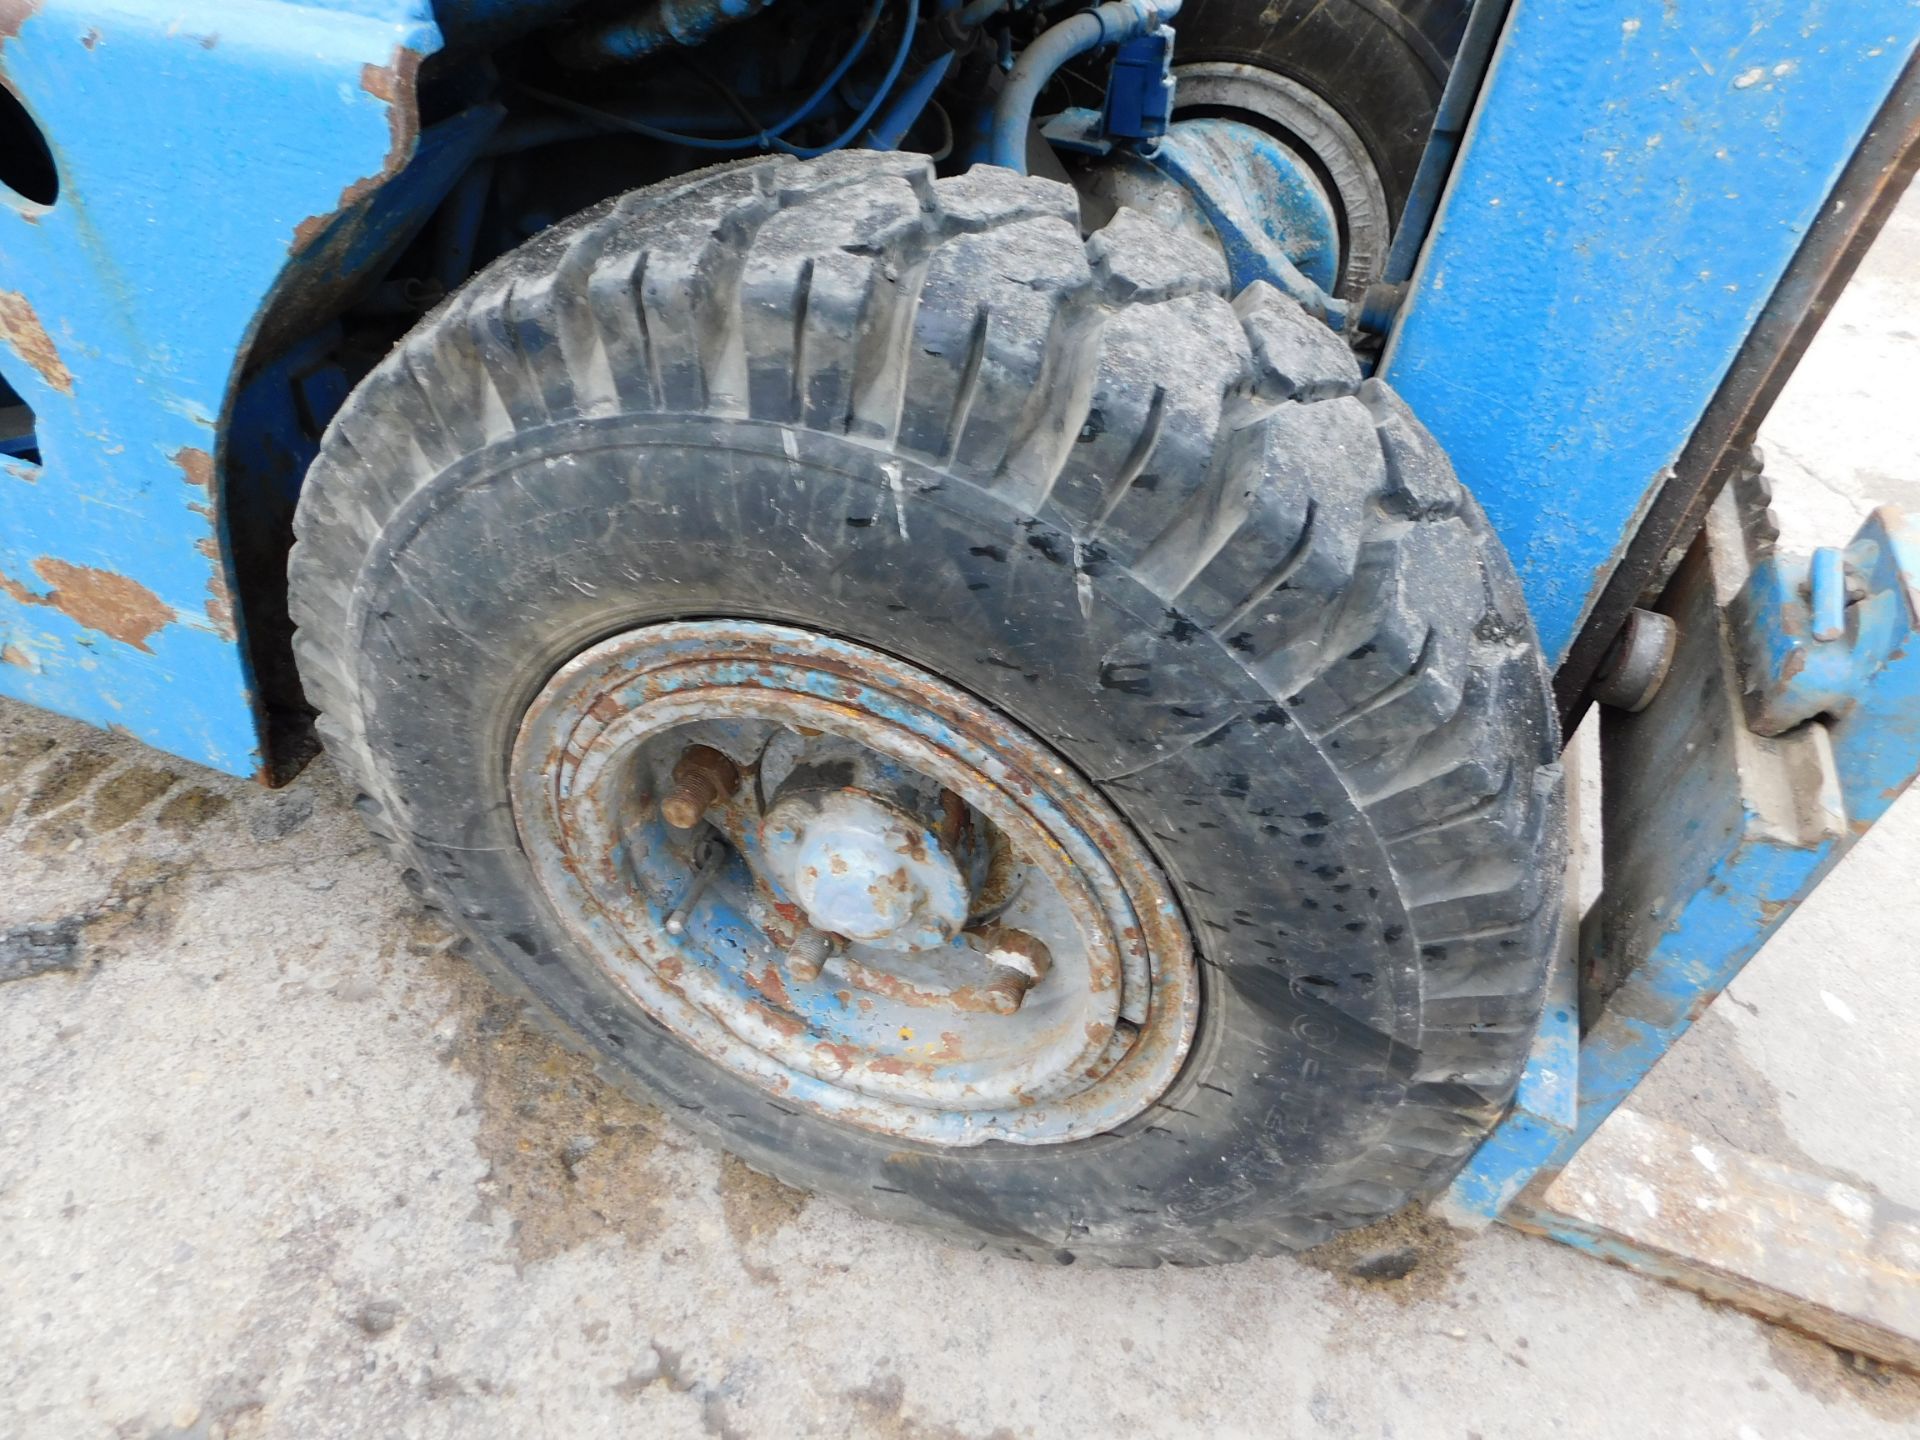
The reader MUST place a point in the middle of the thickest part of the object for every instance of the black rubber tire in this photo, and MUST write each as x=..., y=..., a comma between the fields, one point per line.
x=1380, y=63
x=1283, y=642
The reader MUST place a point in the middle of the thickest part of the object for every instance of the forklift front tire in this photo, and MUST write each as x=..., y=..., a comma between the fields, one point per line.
x=972, y=718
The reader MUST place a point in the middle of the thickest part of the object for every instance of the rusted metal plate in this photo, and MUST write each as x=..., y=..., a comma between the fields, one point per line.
x=1808, y=1251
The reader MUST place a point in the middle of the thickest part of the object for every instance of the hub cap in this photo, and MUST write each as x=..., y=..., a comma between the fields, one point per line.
x=906, y=914
x=862, y=869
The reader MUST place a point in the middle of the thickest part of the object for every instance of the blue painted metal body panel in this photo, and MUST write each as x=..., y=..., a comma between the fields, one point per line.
x=202, y=150
x=1634, y=181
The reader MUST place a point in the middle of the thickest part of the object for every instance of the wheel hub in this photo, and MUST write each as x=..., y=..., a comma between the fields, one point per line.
x=863, y=870
x=1311, y=125
x=853, y=885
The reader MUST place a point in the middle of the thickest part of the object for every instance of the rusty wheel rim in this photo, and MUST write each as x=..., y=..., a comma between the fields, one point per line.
x=903, y=1042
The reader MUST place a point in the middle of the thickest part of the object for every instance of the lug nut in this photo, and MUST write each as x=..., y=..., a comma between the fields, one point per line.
x=701, y=778
x=807, y=956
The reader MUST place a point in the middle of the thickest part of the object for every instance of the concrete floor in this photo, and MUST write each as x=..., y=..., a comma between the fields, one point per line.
x=273, y=1162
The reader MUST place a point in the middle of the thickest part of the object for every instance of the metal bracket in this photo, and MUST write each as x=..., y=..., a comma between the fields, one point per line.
x=1829, y=636
x=1270, y=214
x=1714, y=834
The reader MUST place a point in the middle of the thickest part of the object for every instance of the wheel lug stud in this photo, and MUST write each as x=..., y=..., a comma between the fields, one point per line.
x=1023, y=961
x=1005, y=993
x=706, y=864
x=807, y=956
x=701, y=778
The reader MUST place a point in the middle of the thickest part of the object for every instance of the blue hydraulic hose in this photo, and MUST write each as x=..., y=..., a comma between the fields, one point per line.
x=977, y=12
x=879, y=95
x=891, y=128
x=1107, y=24
x=835, y=75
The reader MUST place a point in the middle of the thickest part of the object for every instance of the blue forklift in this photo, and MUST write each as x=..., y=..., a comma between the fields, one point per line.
x=980, y=598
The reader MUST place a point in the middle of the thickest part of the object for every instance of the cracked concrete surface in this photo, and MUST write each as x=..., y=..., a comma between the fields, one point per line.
x=275, y=1162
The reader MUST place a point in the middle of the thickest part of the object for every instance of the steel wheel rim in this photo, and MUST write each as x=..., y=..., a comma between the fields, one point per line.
x=1095, y=1042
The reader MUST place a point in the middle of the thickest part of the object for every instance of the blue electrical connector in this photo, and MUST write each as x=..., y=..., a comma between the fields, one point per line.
x=1140, y=87
x=1117, y=22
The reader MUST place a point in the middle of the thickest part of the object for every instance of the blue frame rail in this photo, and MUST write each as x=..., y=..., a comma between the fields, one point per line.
x=1634, y=181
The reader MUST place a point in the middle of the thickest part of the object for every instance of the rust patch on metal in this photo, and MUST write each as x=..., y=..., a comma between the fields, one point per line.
x=393, y=85
x=122, y=609
x=769, y=984
x=14, y=14
x=219, y=597
x=981, y=999
x=843, y=1056
x=22, y=330
x=14, y=655
x=196, y=467
x=219, y=601
x=791, y=1026
x=702, y=777
x=219, y=606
